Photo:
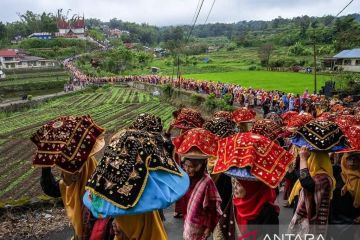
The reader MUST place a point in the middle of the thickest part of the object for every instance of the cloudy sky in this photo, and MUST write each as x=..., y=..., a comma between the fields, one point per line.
x=172, y=12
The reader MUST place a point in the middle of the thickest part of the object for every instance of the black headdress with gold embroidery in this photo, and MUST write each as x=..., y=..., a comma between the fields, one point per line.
x=122, y=173
x=147, y=122
x=322, y=135
x=222, y=127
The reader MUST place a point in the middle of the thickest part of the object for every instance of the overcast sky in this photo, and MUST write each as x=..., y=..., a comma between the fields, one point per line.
x=173, y=12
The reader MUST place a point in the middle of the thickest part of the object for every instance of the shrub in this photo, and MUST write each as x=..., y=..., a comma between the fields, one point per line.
x=168, y=90
x=195, y=99
x=210, y=102
x=252, y=68
x=29, y=97
x=298, y=49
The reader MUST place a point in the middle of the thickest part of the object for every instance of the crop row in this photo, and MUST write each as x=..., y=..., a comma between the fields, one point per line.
x=112, y=108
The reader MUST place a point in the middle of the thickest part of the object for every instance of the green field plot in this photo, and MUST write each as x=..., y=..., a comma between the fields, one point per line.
x=283, y=81
x=112, y=108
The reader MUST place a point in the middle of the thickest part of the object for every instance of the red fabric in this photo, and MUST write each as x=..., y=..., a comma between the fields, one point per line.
x=197, y=138
x=243, y=115
x=346, y=121
x=353, y=136
x=337, y=108
x=327, y=116
x=287, y=188
x=223, y=114
x=187, y=118
x=100, y=228
x=203, y=208
x=267, y=160
x=249, y=207
x=288, y=115
x=185, y=199
x=267, y=128
x=299, y=120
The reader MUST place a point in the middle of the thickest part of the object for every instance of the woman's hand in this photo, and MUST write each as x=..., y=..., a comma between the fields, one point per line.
x=304, y=153
x=207, y=233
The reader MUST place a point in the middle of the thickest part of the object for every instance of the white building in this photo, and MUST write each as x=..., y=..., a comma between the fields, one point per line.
x=11, y=59
x=74, y=29
x=348, y=60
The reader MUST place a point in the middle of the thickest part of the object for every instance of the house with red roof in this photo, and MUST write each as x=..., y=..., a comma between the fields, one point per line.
x=71, y=29
x=15, y=59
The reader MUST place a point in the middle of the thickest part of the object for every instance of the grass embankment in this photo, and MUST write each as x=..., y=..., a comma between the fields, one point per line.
x=17, y=85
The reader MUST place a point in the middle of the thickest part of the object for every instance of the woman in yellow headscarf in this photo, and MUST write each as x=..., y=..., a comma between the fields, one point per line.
x=314, y=188
x=69, y=143
x=70, y=188
x=346, y=203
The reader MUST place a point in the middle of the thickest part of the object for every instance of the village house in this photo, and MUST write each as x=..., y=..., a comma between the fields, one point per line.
x=346, y=60
x=13, y=59
x=41, y=35
x=70, y=29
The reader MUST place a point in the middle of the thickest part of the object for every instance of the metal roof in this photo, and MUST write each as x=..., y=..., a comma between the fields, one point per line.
x=7, y=53
x=353, y=53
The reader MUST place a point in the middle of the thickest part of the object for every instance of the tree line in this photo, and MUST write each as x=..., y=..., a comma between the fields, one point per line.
x=343, y=32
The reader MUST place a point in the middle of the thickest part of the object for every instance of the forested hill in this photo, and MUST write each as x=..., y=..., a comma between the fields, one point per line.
x=340, y=33
x=343, y=32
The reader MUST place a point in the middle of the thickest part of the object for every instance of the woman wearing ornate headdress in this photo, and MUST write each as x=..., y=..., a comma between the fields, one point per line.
x=202, y=201
x=136, y=177
x=316, y=183
x=345, y=205
x=256, y=165
x=70, y=144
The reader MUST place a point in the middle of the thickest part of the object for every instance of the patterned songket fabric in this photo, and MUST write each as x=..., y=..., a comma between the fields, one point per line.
x=187, y=118
x=124, y=169
x=320, y=135
x=267, y=160
x=267, y=128
x=222, y=127
x=147, y=122
x=66, y=142
x=198, y=138
x=244, y=114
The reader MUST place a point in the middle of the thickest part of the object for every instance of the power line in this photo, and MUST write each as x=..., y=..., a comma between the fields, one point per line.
x=343, y=8
x=207, y=17
x=197, y=8
x=193, y=26
x=189, y=35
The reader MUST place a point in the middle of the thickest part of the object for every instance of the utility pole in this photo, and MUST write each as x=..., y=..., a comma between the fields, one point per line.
x=315, y=80
x=314, y=46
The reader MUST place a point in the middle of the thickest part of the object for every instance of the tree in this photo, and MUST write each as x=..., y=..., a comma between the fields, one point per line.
x=2, y=31
x=174, y=39
x=347, y=32
x=264, y=54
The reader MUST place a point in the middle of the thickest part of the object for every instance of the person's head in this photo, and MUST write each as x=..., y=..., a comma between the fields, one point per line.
x=194, y=166
x=353, y=161
x=239, y=190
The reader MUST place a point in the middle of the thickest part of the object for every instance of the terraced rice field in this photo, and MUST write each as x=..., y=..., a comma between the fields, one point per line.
x=112, y=108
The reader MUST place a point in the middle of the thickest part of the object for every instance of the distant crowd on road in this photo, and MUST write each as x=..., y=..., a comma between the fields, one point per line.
x=270, y=101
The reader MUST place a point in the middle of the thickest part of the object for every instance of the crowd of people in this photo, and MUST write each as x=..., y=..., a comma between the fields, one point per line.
x=269, y=101
x=223, y=174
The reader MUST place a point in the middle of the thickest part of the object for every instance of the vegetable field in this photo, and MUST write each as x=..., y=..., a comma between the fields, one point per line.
x=112, y=108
